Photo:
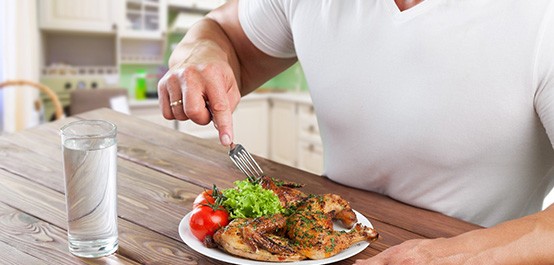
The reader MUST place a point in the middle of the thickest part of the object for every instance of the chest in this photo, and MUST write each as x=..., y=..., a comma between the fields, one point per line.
x=406, y=4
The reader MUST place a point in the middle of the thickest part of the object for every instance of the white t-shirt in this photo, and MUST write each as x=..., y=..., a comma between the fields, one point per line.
x=448, y=105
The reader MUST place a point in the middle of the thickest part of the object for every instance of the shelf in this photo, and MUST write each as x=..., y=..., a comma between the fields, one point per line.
x=141, y=35
x=134, y=12
x=68, y=49
x=69, y=70
x=197, y=5
x=151, y=4
x=143, y=3
x=142, y=51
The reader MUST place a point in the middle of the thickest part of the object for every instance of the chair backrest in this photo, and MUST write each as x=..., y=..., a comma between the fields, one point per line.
x=46, y=90
x=82, y=100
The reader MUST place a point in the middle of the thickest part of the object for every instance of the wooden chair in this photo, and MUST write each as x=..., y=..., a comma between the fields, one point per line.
x=46, y=90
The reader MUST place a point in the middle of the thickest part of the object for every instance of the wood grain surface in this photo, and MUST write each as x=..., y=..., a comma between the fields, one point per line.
x=160, y=172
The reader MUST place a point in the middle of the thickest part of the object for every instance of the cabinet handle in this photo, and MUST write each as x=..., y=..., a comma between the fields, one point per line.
x=114, y=27
x=311, y=148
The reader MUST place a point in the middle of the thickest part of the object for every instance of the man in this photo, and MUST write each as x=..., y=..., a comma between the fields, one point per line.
x=446, y=105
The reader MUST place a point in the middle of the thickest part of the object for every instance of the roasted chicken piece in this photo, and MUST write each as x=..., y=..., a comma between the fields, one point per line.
x=311, y=227
x=274, y=247
x=287, y=192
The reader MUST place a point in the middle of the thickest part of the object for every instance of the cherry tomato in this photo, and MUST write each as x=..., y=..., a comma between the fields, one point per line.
x=204, y=198
x=205, y=220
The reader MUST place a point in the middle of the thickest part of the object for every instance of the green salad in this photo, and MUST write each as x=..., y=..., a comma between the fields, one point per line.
x=250, y=200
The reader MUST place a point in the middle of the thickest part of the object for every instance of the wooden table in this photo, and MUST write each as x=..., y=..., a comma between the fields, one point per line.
x=160, y=172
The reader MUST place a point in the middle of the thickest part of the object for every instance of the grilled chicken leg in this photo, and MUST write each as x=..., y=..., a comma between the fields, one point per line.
x=311, y=227
x=273, y=247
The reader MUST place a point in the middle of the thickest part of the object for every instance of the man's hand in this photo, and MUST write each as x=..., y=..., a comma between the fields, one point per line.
x=207, y=90
x=211, y=68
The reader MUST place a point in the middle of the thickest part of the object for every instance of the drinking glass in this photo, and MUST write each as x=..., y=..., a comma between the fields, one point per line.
x=90, y=171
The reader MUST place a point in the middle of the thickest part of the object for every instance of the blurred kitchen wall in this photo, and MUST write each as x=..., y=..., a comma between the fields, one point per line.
x=37, y=51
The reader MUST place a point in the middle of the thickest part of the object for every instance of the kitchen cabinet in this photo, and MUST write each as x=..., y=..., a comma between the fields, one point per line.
x=98, y=16
x=295, y=138
x=251, y=126
x=310, y=148
x=283, y=132
x=310, y=157
x=143, y=32
x=143, y=19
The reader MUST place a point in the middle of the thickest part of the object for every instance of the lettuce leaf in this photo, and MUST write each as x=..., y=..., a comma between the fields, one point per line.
x=251, y=200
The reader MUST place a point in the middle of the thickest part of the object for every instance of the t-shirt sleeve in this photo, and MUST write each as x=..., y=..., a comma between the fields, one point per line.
x=544, y=73
x=266, y=24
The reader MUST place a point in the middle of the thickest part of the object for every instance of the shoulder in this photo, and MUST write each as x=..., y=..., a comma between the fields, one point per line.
x=289, y=8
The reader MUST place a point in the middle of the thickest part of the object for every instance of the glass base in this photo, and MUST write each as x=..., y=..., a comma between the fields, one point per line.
x=93, y=248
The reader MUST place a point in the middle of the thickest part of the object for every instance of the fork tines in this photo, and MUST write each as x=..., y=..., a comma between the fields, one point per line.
x=245, y=162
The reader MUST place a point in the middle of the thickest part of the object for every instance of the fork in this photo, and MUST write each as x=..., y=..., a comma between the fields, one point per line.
x=245, y=162
x=242, y=159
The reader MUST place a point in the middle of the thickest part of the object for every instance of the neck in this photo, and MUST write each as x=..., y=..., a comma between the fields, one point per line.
x=407, y=4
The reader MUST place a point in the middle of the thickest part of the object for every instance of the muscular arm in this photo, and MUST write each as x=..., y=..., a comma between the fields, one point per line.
x=221, y=31
x=216, y=63
x=528, y=240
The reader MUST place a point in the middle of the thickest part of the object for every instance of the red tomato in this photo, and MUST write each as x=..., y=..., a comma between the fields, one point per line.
x=204, y=221
x=204, y=198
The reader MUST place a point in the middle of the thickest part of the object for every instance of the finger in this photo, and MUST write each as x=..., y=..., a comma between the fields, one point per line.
x=194, y=97
x=221, y=109
x=163, y=98
x=176, y=86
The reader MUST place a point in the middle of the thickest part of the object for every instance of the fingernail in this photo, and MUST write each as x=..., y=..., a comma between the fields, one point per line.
x=225, y=140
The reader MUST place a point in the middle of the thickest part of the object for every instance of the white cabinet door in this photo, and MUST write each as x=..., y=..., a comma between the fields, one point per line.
x=310, y=157
x=82, y=15
x=143, y=19
x=251, y=125
x=283, y=132
x=310, y=148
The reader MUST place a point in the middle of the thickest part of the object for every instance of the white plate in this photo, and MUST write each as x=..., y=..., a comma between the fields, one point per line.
x=215, y=253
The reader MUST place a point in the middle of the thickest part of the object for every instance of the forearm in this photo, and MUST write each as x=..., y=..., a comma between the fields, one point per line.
x=528, y=240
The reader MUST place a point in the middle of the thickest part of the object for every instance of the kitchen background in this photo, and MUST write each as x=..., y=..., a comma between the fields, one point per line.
x=98, y=45
x=91, y=45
